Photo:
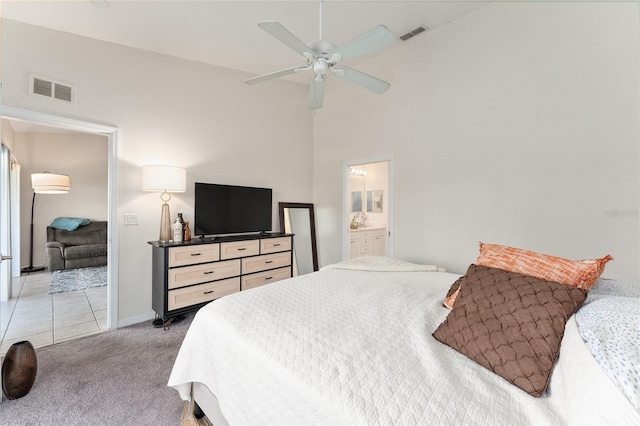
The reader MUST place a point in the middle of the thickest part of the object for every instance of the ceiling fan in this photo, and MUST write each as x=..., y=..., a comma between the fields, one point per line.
x=323, y=56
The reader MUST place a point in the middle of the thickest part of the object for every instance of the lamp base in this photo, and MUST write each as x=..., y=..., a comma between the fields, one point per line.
x=165, y=224
x=28, y=269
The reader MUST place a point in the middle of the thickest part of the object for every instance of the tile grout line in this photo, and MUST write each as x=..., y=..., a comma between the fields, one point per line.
x=92, y=311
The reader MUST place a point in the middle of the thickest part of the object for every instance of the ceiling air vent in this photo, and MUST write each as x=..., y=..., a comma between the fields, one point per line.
x=52, y=89
x=413, y=33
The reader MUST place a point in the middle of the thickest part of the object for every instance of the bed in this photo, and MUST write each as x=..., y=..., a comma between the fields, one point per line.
x=353, y=344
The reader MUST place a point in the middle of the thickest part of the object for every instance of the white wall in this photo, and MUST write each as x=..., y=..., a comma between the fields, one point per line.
x=515, y=125
x=81, y=156
x=168, y=111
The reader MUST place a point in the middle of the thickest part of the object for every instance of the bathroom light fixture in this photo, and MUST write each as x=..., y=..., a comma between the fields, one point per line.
x=164, y=179
x=357, y=172
x=44, y=183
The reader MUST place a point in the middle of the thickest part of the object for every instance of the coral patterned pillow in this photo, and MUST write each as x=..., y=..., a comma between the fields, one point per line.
x=575, y=273
x=453, y=292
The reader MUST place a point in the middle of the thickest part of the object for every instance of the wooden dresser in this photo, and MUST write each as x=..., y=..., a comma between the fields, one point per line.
x=189, y=275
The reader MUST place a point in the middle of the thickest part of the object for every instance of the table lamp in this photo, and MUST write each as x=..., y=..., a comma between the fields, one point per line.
x=165, y=179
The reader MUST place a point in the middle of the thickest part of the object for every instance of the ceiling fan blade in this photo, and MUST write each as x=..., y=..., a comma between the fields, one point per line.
x=362, y=79
x=316, y=95
x=265, y=77
x=277, y=30
x=372, y=40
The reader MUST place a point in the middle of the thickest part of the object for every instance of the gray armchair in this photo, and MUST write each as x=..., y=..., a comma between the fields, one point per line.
x=84, y=247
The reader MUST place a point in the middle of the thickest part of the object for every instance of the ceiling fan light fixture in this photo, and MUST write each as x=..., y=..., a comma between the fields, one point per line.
x=100, y=4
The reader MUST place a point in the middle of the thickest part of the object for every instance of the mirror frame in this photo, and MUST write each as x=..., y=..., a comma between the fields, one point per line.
x=312, y=223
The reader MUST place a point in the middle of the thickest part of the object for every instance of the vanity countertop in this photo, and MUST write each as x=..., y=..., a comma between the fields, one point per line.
x=369, y=228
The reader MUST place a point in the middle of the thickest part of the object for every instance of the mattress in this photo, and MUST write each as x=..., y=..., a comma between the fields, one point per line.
x=354, y=346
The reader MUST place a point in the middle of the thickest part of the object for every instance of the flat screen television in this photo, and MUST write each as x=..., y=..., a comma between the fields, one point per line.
x=229, y=209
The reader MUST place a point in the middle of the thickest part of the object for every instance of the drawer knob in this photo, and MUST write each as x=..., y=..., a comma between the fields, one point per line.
x=196, y=254
x=268, y=278
x=268, y=261
x=276, y=245
x=208, y=272
x=208, y=292
x=242, y=248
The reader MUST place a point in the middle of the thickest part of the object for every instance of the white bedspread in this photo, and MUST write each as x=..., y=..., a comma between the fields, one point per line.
x=355, y=347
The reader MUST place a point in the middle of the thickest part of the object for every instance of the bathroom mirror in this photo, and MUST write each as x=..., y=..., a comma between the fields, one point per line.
x=298, y=219
x=374, y=201
x=356, y=201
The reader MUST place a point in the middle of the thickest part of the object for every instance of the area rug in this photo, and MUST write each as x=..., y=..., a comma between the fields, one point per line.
x=78, y=279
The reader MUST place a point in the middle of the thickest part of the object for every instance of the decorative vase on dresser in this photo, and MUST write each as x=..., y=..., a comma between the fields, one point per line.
x=19, y=370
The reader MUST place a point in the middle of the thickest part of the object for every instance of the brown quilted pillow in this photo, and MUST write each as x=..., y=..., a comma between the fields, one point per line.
x=511, y=324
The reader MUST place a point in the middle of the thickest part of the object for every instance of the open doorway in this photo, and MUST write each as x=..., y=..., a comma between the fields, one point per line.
x=368, y=211
x=42, y=131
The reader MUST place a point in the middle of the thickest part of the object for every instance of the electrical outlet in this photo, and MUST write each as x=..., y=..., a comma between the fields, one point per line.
x=130, y=219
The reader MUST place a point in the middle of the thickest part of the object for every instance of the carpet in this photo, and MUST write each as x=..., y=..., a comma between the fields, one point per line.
x=78, y=279
x=114, y=378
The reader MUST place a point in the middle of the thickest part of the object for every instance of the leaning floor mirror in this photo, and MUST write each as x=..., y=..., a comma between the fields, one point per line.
x=298, y=219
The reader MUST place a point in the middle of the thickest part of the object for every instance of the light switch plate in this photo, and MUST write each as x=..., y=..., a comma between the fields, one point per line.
x=130, y=219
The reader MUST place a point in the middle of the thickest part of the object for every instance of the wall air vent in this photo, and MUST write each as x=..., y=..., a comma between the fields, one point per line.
x=413, y=33
x=51, y=89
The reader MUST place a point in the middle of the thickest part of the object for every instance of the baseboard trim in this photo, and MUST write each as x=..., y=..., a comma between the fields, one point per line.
x=136, y=320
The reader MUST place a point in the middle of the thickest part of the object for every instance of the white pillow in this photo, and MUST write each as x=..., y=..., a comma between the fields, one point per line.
x=383, y=264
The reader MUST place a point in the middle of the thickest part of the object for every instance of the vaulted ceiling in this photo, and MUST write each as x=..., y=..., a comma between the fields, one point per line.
x=225, y=33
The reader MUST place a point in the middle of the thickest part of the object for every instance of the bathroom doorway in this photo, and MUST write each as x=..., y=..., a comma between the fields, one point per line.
x=368, y=208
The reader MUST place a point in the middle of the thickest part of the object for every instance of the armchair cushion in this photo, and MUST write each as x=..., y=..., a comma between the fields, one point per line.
x=85, y=250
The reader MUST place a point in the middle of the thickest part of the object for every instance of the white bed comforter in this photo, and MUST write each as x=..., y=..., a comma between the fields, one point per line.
x=355, y=347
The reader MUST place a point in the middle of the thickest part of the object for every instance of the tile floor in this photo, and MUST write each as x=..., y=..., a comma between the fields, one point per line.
x=45, y=319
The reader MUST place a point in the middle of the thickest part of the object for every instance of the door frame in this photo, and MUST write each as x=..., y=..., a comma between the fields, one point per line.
x=111, y=133
x=346, y=217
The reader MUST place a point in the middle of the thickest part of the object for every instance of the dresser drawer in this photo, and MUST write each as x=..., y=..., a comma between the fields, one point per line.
x=273, y=245
x=202, y=293
x=188, y=275
x=239, y=249
x=265, y=277
x=188, y=255
x=269, y=261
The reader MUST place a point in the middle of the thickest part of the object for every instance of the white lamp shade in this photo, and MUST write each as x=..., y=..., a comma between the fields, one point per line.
x=50, y=183
x=164, y=179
